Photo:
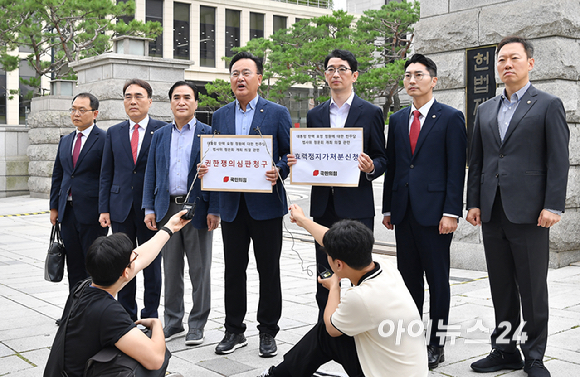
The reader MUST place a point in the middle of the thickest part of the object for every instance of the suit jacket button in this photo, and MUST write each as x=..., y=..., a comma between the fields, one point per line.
x=501, y=156
x=134, y=172
x=407, y=184
x=497, y=175
x=412, y=166
x=72, y=176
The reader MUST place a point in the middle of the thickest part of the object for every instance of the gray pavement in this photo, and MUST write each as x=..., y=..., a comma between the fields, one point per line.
x=29, y=306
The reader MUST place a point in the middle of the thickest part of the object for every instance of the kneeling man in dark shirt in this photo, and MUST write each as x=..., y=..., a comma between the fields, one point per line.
x=98, y=320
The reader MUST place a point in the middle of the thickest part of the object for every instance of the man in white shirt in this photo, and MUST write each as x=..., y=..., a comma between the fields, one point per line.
x=356, y=331
x=423, y=193
x=345, y=109
x=74, y=193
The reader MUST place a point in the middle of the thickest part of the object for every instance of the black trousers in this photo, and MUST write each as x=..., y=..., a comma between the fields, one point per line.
x=134, y=227
x=423, y=252
x=517, y=258
x=266, y=236
x=77, y=239
x=317, y=347
x=328, y=218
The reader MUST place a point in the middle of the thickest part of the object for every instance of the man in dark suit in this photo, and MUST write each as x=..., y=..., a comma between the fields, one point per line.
x=516, y=189
x=423, y=193
x=121, y=189
x=329, y=205
x=74, y=193
x=253, y=216
x=171, y=170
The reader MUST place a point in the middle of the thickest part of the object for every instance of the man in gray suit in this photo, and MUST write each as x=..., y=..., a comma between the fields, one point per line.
x=518, y=171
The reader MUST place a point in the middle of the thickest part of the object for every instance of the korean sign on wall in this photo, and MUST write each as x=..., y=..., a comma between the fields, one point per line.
x=480, y=76
x=236, y=163
x=326, y=156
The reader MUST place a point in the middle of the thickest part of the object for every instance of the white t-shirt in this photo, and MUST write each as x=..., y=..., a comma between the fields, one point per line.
x=382, y=300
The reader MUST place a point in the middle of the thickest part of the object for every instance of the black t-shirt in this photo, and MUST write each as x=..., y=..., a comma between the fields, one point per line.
x=98, y=322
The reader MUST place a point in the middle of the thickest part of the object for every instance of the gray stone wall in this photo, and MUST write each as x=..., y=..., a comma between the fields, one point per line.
x=448, y=27
x=13, y=161
x=103, y=76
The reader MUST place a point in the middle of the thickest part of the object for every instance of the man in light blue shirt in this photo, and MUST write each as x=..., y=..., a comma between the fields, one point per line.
x=171, y=171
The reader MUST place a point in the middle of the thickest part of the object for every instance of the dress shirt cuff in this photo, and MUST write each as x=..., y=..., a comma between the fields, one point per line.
x=370, y=175
x=148, y=211
x=214, y=214
x=387, y=214
x=554, y=211
x=450, y=215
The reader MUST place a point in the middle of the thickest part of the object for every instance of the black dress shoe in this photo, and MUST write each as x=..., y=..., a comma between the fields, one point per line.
x=536, y=368
x=268, y=346
x=230, y=342
x=435, y=355
x=498, y=360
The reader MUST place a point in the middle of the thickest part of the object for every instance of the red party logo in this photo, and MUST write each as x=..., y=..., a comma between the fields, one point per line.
x=315, y=173
x=226, y=179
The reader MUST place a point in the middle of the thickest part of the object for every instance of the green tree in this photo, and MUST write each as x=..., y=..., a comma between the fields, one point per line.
x=58, y=32
x=390, y=29
x=380, y=40
x=296, y=55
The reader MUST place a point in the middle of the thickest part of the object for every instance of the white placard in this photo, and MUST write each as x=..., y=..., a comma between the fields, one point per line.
x=236, y=162
x=326, y=156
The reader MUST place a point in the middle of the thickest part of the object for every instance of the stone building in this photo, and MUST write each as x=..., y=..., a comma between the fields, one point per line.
x=444, y=33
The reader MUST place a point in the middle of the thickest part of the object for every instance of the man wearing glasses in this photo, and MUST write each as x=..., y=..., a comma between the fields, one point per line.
x=423, y=193
x=329, y=205
x=74, y=193
x=121, y=189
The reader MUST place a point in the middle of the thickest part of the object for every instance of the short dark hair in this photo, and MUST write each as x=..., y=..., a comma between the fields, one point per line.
x=142, y=83
x=427, y=62
x=344, y=55
x=184, y=83
x=516, y=39
x=351, y=242
x=94, y=101
x=108, y=257
x=247, y=55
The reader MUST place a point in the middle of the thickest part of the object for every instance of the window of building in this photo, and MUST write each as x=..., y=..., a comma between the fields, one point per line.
x=256, y=25
x=279, y=23
x=181, y=31
x=128, y=18
x=26, y=72
x=154, y=12
x=207, y=36
x=232, y=31
x=2, y=96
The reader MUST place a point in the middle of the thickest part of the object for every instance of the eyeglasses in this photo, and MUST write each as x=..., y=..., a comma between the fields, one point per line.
x=133, y=260
x=80, y=111
x=245, y=73
x=332, y=70
x=137, y=97
x=418, y=76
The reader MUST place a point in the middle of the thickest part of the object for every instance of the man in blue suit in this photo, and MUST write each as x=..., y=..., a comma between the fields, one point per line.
x=74, y=193
x=329, y=205
x=121, y=189
x=255, y=216
x=171, y=170
x=423, y=193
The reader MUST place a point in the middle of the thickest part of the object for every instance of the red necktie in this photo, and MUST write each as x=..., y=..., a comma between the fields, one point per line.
x=135, y=142
x=415, y=129
x=77, y=149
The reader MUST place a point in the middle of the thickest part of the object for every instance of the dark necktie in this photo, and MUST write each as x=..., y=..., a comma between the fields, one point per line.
x=135, y=142
x=77, y=149
x=415, y=129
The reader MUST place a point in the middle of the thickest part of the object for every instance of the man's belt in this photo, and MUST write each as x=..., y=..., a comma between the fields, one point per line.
x=177, y=199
